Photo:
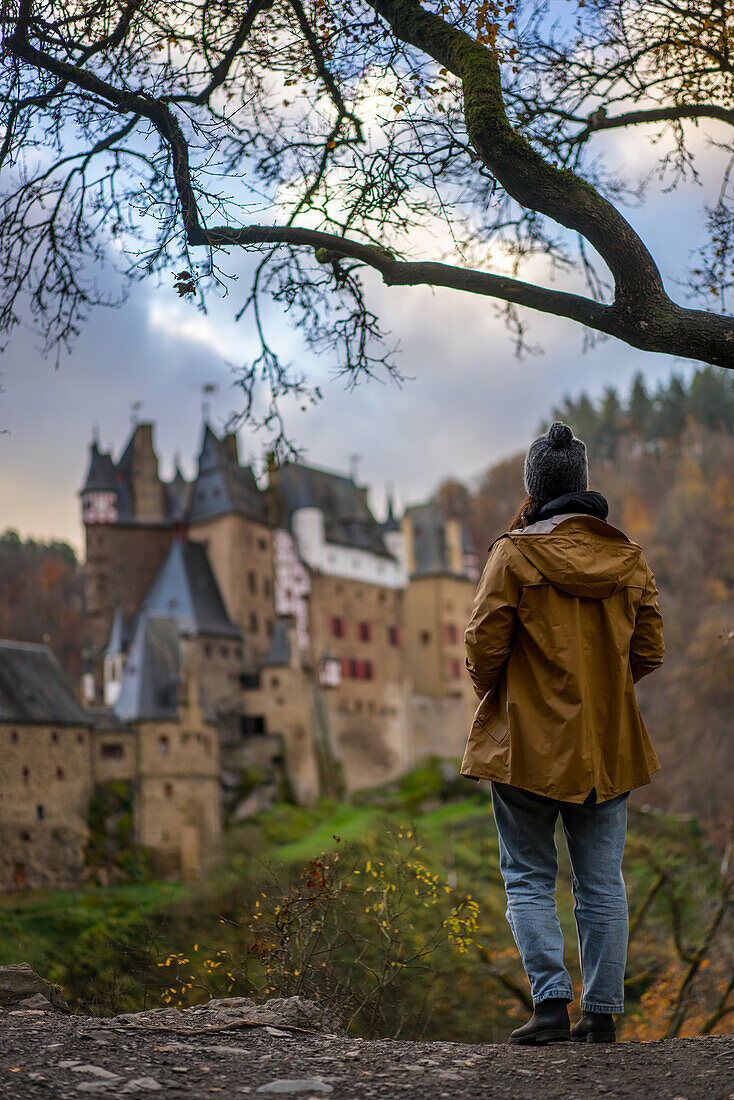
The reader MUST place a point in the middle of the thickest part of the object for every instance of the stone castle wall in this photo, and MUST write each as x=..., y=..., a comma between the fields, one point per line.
x=45, y=787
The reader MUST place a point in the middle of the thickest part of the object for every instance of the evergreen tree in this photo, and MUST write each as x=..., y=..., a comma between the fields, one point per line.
x=581, y=416
x=610, y=424
x=671, y=408
x=711, y=399
x=640, y=408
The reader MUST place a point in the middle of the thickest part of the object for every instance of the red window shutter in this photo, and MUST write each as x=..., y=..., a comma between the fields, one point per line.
x=346, y=667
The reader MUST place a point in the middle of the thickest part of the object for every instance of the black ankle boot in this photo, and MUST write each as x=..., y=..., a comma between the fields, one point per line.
x=548, y=1024
x=594, y=1027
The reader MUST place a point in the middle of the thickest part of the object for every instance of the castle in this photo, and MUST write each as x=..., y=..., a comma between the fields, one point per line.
x=248, y=640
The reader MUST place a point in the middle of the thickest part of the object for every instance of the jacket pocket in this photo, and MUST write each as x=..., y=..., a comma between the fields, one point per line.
x=491, y=714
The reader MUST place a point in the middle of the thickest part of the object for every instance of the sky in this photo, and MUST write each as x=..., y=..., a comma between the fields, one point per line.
x=467, y=403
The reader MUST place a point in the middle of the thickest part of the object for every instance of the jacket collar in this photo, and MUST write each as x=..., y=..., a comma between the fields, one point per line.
x=586, y=503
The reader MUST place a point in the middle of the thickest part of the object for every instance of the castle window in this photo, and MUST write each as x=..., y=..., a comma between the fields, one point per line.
x=354, y=668
x=393, y=635
x=253, y=622
x=26, y=774
x=338, y=627
x=40, y=812
x=267, y=587
x=453, y=668
x=252, y=725
x=365, y=670
x=224, y=650
x=262, y=544
x=168, y=790
x=425, y=637
x=274, y=682
x=14, y=736
x=250, y=681
x=25, y=836
x=80, y=738
x=54, y=737
x=450, y=634
x=207, y=649
x=364, y=632
x=163, y=744
x=112, y=751
x=59, y=773
x=238, y=652
x=252, y=581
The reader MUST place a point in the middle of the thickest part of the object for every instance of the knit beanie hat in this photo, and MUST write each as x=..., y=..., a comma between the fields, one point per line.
x=555, y=464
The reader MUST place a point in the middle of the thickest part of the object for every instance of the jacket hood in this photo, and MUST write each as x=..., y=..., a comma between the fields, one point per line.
x=584, y=556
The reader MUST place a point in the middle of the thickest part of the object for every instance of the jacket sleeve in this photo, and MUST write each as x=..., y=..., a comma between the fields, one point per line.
x=491, y=628
x=646, y=645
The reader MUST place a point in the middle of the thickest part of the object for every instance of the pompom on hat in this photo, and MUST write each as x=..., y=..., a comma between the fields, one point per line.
x=555, y=464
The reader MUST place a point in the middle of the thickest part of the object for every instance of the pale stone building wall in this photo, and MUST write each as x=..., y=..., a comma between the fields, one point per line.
x=45, y=786
x=367, y=709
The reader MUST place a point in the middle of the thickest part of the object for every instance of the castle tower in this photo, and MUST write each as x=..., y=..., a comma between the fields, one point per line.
x=99, y=494
x=128, y=534
x=227, y=512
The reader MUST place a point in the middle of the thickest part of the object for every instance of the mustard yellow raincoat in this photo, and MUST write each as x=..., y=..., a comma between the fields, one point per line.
x=565, y=621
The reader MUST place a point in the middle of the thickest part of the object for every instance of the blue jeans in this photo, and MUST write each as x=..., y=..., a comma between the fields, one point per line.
x=595, y=836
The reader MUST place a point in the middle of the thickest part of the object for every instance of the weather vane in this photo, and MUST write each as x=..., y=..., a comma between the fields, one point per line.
x=206, y=390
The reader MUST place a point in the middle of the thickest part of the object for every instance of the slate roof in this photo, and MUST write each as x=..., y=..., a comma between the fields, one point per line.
x=151, y=678
x=348, y=520
x=279, y=650
x=222, y=485
x=101, y=471
x=186, y=591
x=177, y=493
x=33, y=688
x=429, y=539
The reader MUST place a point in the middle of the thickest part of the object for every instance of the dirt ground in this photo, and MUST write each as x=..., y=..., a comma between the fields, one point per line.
x=169, y=1055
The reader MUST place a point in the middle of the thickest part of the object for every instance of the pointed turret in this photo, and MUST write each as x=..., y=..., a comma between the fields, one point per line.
x=391, y=523
x=114, y=659
x=99, y=494
x=392, y=533
x=223, y=486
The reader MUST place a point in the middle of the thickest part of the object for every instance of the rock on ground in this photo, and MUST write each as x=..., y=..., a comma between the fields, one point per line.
x=219, y=1050
x=21, y=987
